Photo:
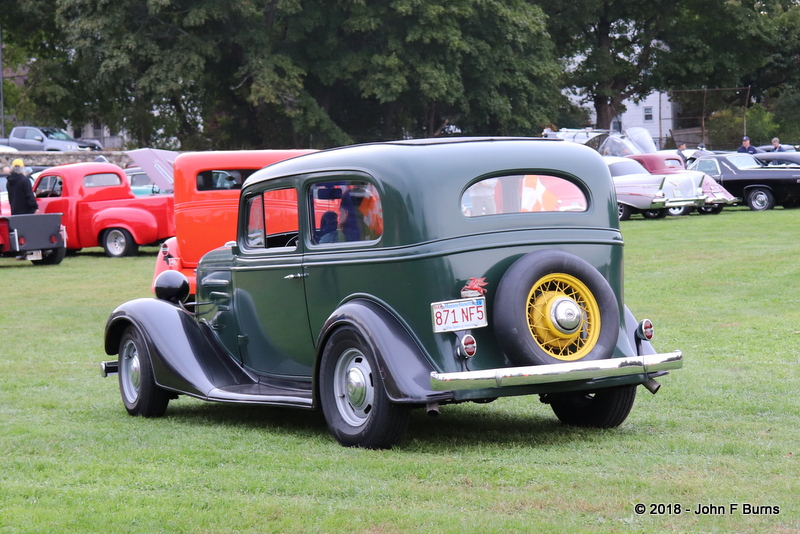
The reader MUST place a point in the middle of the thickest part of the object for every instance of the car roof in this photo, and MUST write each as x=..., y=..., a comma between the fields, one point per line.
x=421, y=181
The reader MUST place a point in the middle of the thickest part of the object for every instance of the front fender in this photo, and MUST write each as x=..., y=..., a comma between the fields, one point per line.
x=142, y=224
x=186, y=357
x=404, y=369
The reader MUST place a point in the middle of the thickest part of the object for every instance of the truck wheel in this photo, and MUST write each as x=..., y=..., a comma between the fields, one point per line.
x=118, y=242
x=352, y=395
x=554, y=307
x=137, y=384
x=607, y=408
x=51, y=257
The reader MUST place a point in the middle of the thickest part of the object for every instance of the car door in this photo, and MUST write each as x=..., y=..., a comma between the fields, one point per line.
x=269, y=288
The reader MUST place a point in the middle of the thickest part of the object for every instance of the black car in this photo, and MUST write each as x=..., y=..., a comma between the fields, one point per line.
x=761, y=186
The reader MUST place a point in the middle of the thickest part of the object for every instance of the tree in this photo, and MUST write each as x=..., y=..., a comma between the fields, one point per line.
x=281, y=73
x=624, y=49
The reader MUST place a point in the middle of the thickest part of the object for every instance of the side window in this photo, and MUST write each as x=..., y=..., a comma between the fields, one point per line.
x=272, y=220
x=522, y=193
x=707, y=166
x=49, y=186
x=104, y=179
x=345, y=211
x=222, y=179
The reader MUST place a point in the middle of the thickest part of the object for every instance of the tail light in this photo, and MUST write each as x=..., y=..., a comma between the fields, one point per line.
x=645, y=330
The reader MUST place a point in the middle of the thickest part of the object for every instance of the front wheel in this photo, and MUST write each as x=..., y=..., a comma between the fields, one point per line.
x=137, y=384
x=354, y=401
x=118, y=242
x=607, y=408
x=760, y=199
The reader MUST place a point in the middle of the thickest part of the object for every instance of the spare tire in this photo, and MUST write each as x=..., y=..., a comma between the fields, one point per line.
x=554, y=307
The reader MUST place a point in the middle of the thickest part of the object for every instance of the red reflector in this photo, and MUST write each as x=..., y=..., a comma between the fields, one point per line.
x=53, y=239
x=22, y=241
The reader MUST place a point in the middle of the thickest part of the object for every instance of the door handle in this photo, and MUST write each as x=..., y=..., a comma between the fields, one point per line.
x=293, y=276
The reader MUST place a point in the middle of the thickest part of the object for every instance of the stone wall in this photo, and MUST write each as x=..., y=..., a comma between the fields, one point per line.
x=58, y=158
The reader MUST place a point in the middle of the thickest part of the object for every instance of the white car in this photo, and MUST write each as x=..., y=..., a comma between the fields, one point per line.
x=652, y=195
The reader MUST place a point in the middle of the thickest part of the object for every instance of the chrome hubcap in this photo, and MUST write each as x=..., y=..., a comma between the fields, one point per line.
x=353, y=387
x=566, y=315
x=116, y=242
x=130, y=371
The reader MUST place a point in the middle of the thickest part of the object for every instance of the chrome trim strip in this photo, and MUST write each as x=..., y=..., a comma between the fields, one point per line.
x=220, y=395
x=559, y=372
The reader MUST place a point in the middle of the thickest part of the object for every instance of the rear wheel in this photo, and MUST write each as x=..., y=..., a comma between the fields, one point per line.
x=713, y=209
x=118, y=242
x=354, y=401
x=678, y=212
x=655, y=214
x=624, y=211
x=137, y=384
x=760, y=199
x=607, y=408
x=52, y=256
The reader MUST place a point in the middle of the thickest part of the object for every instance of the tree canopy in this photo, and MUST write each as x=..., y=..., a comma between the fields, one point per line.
x=278, y=73
x=195, y=74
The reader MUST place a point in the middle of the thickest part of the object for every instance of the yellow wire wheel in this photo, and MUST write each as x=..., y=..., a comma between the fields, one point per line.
x=552, y=306
x=563, y=316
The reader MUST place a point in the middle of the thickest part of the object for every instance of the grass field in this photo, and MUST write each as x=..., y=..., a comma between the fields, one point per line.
x=723, y=430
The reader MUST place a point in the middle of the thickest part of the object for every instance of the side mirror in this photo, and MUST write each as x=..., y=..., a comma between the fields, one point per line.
x=38, y=138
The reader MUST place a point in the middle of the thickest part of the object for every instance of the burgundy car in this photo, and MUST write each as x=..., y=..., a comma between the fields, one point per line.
x=717, y=197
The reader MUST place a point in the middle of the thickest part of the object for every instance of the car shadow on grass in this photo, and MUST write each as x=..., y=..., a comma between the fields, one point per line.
x=456, y=427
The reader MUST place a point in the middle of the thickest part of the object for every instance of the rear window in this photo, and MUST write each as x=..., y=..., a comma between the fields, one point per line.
x=103, y=179
x=222, y=179
x=623, y=168
x=522, y=194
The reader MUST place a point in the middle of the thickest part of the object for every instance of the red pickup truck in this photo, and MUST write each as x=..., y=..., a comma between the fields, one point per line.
x=206, y=186
x=99, y=208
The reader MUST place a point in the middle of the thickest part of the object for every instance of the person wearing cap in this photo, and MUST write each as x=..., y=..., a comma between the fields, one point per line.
x=20, y=193
x=746, y=146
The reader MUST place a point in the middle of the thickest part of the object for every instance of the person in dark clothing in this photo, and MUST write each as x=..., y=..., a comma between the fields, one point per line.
x=20, y=193
x=746, y=146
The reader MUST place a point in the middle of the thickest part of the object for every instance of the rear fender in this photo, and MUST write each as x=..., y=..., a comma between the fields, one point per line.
x=404, y=369
x=141, y=224
x=185, y=355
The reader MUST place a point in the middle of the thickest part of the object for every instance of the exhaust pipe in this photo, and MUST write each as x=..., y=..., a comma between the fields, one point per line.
x=652, y=386
x=432, y=409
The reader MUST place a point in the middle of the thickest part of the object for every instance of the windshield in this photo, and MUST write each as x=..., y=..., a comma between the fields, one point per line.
x=743, y=161
x=54, y=133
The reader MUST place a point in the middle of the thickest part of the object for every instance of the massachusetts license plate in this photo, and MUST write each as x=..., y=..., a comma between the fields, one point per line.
x=461, y=314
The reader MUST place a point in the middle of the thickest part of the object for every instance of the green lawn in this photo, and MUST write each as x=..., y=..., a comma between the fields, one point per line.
x=723, y=430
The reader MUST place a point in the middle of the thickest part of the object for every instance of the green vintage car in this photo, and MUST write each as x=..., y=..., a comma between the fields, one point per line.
x=370, y=280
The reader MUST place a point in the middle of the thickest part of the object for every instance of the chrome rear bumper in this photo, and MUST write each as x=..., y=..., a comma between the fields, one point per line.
x=559, y=372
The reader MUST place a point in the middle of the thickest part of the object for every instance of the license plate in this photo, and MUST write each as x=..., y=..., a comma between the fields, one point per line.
x=34, y=255
x=677, y=193
x=461, y=314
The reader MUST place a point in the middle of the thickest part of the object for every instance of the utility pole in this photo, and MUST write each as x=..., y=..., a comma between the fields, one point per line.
x=2, y=99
